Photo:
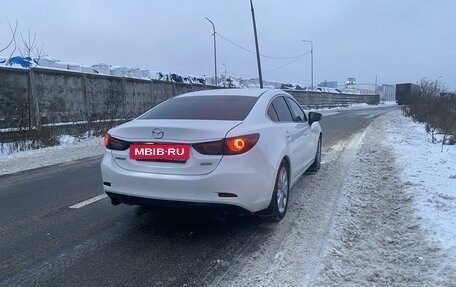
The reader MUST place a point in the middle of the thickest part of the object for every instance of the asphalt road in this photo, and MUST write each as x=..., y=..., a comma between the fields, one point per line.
x=43, y=242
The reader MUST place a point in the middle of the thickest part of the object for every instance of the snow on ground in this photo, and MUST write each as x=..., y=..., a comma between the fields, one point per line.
x=288, y=252
x=378, y=237
x=429, y=175
x=359, y=222
x=69, y=150
x=359, y=106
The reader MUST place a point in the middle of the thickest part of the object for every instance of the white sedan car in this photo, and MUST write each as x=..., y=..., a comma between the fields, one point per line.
x=240, y=148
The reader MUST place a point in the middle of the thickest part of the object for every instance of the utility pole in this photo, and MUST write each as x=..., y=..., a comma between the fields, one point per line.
x=260, y=76
x=215, y=52
x=225, y=75
x=375, y=84
x=311, y=63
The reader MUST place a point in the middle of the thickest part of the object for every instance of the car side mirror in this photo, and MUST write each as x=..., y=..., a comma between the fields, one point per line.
x=314, y=117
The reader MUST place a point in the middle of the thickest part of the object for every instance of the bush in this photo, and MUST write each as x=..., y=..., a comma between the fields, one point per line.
x=437, y=112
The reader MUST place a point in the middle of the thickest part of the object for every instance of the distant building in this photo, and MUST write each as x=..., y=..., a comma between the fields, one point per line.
x=387, y=92
x=366, y=91
x=328, y=84
x=351, y=81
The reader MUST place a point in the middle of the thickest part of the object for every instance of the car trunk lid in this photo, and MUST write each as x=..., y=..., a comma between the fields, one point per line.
x=171, y=132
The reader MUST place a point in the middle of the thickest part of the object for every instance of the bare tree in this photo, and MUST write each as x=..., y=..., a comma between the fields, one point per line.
x=13, y=39
x=29, y=44
x=31, y=47
x=435, y=110
x=39, y=53
x=430, y=88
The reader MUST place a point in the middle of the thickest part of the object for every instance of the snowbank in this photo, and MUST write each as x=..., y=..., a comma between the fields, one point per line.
x=357, y=223
x=360, y=106
x=429, y=173
x=70, y=149
x=378, y=238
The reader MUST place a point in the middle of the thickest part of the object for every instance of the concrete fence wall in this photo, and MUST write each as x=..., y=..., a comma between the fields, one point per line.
x=41, y=97
x=37, y=97
x=311, y=100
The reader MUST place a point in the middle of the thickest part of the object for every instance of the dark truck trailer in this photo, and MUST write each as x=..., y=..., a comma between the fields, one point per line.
x=406, y=92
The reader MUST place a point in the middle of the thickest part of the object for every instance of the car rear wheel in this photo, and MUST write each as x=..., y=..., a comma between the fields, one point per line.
x=279, y=201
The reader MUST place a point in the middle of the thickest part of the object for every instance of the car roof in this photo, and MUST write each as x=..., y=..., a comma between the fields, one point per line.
x=228, y=92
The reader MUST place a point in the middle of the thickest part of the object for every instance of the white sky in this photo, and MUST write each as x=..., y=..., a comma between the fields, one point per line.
x=398, y=40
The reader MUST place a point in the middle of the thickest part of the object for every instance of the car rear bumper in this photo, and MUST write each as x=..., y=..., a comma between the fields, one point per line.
x=246, y=183
x=134, y=200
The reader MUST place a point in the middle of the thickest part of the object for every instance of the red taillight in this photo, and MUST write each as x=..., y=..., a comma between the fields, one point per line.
x=236, y=144
x=106, y=140
x=240, y=144
x=228, y=146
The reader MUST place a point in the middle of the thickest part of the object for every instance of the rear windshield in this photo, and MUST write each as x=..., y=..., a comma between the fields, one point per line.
x=229, y=108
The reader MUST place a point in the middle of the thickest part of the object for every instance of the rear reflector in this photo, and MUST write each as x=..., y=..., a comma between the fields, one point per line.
x=226, y=194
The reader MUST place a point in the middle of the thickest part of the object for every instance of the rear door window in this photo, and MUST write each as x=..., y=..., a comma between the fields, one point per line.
x=296, y=110
x=272, y=114
x=281, y=107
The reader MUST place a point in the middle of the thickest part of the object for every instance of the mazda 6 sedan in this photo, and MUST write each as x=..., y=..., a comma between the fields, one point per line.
x=242, y=148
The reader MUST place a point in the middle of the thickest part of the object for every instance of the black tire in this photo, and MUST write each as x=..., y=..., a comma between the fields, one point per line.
x=317, y=161
x=279, y=201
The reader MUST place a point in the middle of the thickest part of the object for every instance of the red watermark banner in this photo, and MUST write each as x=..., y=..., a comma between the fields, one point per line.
x=160, y=151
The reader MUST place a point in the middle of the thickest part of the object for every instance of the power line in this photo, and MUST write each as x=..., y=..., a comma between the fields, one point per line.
x=289, y=63
x=276, y=68
x=253, y=52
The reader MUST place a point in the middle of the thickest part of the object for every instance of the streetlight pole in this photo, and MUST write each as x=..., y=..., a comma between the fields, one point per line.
x=215, y=52
x=225, y=74
x=311, y=62
x=375, y=84
x=260, y=76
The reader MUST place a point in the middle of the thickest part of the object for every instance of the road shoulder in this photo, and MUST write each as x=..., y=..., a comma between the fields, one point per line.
x=377, y=237
x=354, y=223
x=33, y=159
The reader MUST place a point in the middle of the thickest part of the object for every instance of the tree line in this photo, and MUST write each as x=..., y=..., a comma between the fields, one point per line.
x=435, y=107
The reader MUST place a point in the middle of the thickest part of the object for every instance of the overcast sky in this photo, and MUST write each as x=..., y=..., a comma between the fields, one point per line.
x=397, y=40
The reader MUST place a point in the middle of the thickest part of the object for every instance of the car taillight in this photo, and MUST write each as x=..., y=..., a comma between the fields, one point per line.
x=228, y=146
x=115, y=144
x=211, y=148
x=240, y=144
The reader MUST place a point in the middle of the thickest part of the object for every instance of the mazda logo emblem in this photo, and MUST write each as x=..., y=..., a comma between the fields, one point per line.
x=157, y=133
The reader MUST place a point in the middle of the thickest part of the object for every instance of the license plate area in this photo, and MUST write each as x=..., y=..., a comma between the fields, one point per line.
x=160, y=152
